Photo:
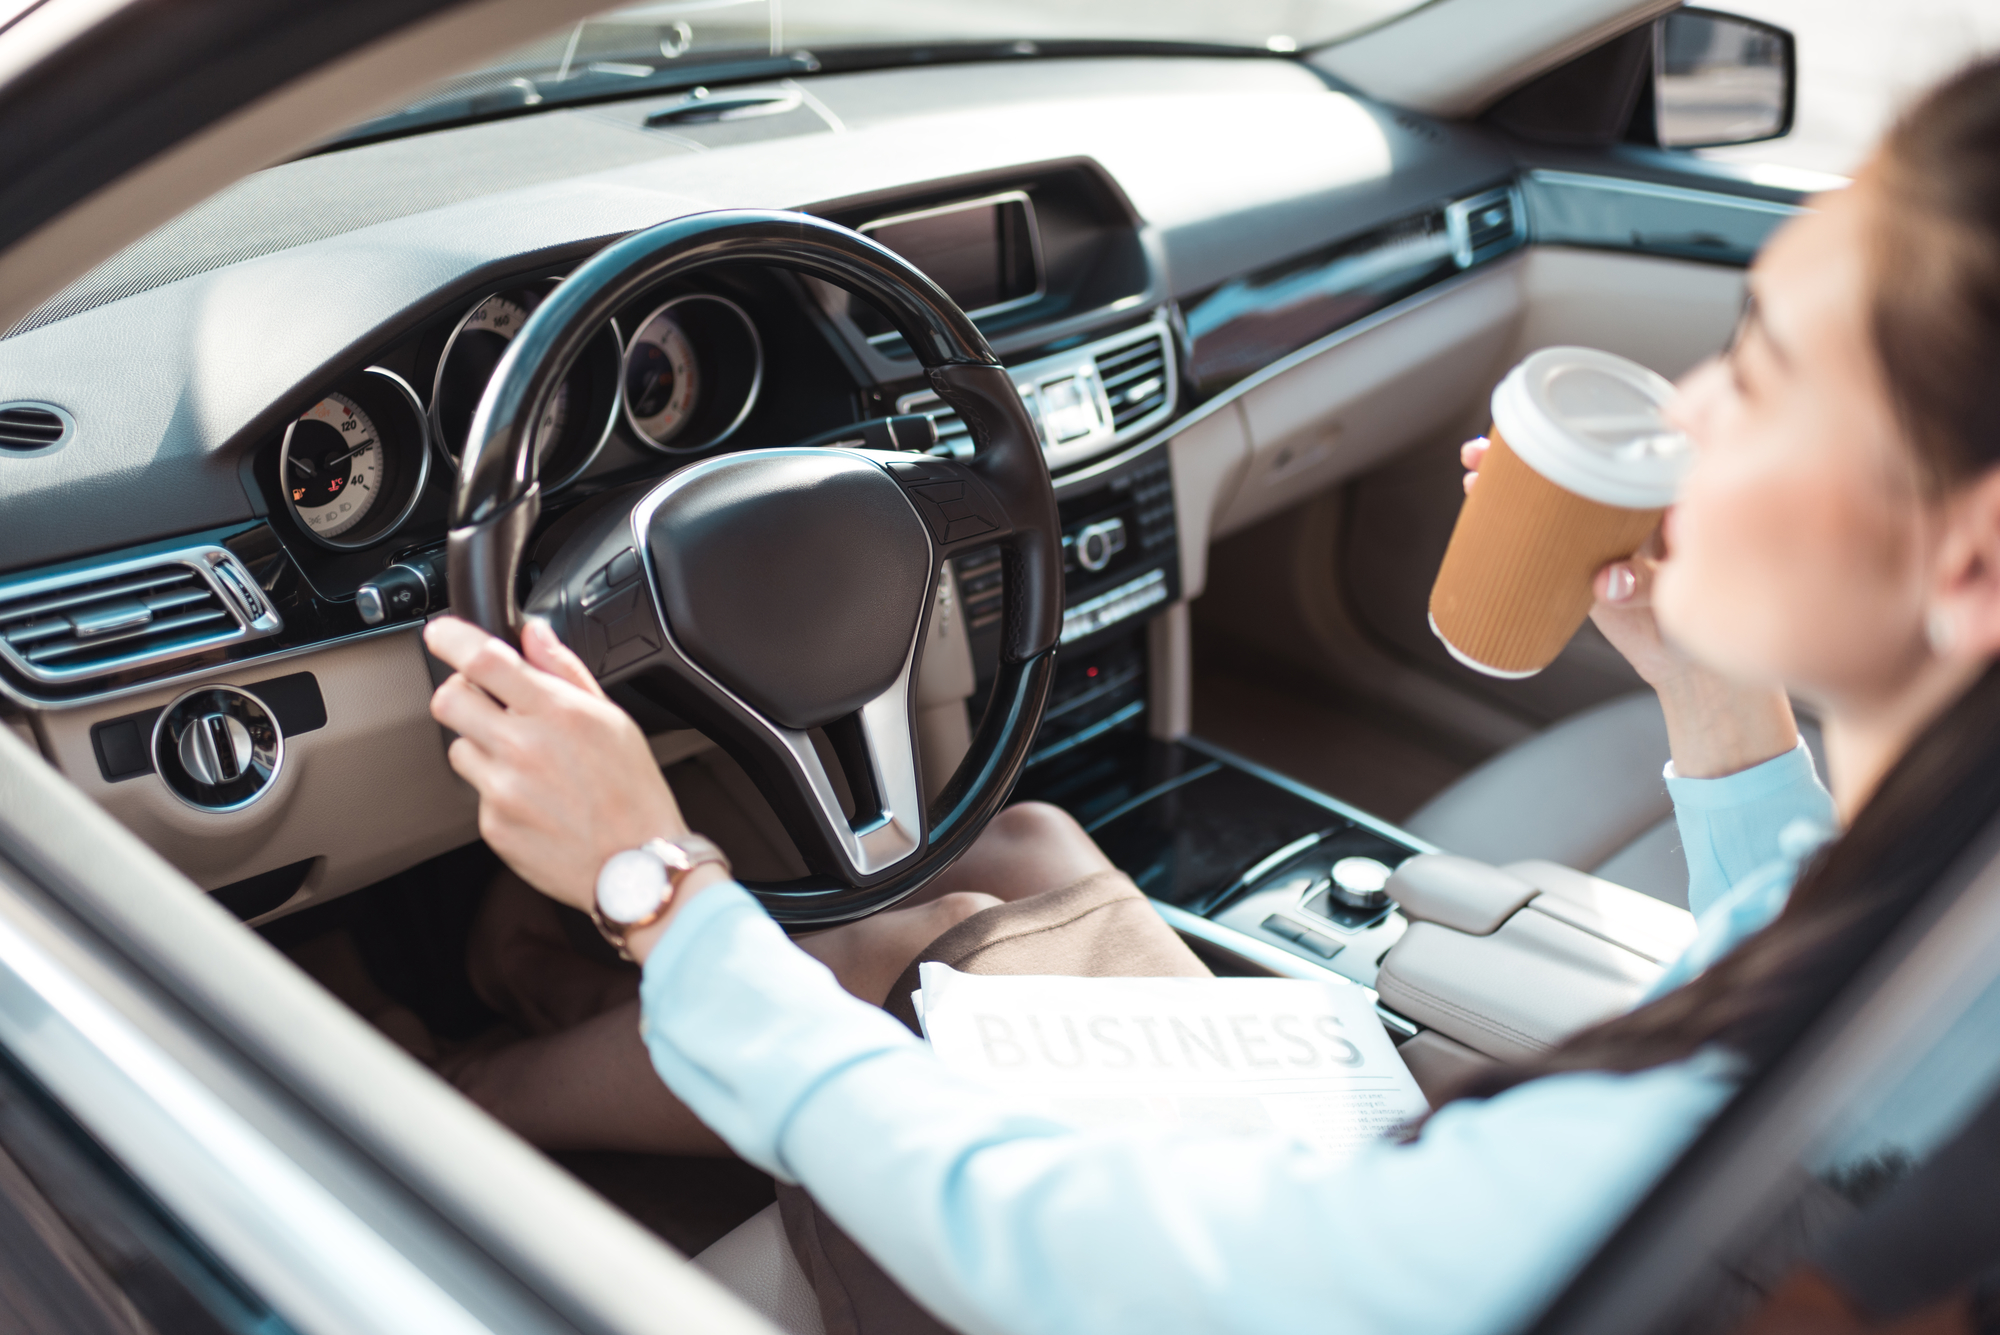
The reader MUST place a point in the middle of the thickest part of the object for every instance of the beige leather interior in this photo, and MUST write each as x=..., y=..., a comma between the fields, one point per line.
x=1576, y=951
x=366, y=796
x=756, y=1263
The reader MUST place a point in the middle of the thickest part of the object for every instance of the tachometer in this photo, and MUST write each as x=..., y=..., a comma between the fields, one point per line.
x=352, y=465
x=576, y=421
x=692, y=372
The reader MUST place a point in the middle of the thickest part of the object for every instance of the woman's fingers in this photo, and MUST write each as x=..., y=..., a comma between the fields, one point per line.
x=1472, y=454
x=545, y=651
x=487, y=661
x=1626, y=583
x=467, y=711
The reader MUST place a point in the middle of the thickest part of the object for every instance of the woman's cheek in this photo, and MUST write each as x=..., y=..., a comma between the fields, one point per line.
x=1719, y=589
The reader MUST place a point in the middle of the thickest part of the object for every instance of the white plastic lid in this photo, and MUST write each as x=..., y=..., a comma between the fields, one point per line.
x=1592, y=423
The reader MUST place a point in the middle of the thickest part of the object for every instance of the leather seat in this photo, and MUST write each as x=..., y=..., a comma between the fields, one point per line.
x=1585, y=792
x=756, y=1263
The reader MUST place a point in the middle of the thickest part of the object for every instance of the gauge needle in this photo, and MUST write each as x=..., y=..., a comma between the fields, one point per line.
x=305, y=466
x=343, y=458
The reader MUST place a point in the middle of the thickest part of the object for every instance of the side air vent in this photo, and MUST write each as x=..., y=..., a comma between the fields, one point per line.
x=1135, y=380
x=1485, y=225
x=26, y=427
x=125, y=615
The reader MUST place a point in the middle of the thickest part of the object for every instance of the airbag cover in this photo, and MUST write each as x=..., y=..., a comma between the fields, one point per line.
x=796, y=579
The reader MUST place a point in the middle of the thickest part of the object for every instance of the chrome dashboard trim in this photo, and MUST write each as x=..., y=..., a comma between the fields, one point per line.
x=206, y=559
x=900, y=832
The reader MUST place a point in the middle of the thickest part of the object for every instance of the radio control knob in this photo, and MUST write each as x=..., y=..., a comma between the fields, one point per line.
x=1097, y=543
x=1360, y=883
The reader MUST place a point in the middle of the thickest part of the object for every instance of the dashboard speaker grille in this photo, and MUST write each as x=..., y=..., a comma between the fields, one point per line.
x=92, y=623
x=32, y=426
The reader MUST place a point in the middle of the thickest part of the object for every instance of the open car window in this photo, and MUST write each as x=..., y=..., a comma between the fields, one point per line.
x=1857, y=1187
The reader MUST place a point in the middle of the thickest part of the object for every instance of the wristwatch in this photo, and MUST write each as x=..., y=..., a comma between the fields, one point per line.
x=636, y=886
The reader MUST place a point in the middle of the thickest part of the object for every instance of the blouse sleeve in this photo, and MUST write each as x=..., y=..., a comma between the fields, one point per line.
x=1740, y=824
x=1002, y=1220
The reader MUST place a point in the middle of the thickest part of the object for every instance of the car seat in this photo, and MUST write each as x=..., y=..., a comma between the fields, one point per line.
x=1585, y=792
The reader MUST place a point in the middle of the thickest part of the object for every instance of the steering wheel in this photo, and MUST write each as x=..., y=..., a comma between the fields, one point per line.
x=766, y=594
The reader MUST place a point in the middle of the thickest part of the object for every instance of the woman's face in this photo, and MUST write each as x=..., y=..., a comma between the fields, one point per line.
x=1797, y=551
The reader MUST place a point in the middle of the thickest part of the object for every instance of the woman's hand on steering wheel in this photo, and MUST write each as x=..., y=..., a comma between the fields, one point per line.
x=564, y=776
x=1716, y=726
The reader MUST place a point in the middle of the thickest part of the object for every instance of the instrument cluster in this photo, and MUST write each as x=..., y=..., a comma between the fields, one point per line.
x=671, y=374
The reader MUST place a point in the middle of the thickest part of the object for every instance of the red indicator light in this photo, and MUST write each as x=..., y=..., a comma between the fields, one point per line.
x=1090, y=672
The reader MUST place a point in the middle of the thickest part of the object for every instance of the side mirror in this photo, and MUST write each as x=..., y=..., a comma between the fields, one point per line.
x=1719, y=79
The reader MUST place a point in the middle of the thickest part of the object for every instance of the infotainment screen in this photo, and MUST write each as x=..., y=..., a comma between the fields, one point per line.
x=983, y=252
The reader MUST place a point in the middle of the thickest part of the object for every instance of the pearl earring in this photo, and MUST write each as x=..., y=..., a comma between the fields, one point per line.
x=1940, y=630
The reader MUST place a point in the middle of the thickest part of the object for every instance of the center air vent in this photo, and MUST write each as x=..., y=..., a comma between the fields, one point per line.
x=33, y=426
x=1085, y=400
x=1135, y=380
x=124, y=615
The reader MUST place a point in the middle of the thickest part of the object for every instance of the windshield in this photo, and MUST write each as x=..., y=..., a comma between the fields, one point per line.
x=680, y=43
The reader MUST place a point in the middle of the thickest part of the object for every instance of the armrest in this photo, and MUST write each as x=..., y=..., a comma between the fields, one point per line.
x=1509, y=962
x=1459, y=893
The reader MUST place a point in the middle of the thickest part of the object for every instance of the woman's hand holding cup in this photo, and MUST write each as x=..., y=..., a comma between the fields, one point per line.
x=1715, y=726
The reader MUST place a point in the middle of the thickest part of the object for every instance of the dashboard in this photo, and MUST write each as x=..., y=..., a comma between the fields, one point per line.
x=259, y=482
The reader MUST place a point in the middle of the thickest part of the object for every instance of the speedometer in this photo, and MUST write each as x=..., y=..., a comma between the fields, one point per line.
x=577, y=418
x=333, y=466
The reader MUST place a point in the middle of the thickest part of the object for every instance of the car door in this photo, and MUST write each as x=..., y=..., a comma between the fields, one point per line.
x=1633, y=244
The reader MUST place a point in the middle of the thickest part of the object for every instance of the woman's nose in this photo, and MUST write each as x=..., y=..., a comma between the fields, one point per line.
x=1695, y=395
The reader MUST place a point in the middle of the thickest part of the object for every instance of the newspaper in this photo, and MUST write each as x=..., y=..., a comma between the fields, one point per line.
x=1305, y=1059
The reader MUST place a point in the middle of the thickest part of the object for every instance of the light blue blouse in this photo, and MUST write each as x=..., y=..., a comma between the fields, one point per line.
x=1002, y=1220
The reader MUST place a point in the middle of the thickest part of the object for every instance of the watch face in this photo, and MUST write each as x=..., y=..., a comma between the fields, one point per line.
x=631, y=886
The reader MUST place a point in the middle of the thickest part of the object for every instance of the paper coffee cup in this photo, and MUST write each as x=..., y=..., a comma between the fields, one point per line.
x=1582, y=465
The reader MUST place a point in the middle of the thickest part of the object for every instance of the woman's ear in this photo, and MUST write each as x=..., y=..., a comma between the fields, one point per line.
x=1964, y=615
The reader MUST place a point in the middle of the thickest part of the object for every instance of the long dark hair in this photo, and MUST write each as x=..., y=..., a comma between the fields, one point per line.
x=1935, y=322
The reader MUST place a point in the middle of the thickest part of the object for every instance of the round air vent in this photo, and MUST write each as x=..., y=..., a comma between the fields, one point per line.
x=29, y=428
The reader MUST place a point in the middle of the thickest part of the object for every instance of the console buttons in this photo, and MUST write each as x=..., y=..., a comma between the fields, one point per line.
x=1323, y=946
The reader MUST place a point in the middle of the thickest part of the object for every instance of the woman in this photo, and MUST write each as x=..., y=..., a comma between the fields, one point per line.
x=1839, y=536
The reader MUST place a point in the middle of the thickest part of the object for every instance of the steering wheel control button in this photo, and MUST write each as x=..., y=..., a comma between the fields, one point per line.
x=1360, y=883
x=621, y=630
x=218, y=748
x=952, y=501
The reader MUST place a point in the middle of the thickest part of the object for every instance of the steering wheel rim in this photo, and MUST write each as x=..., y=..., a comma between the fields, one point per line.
x=1005, y=487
